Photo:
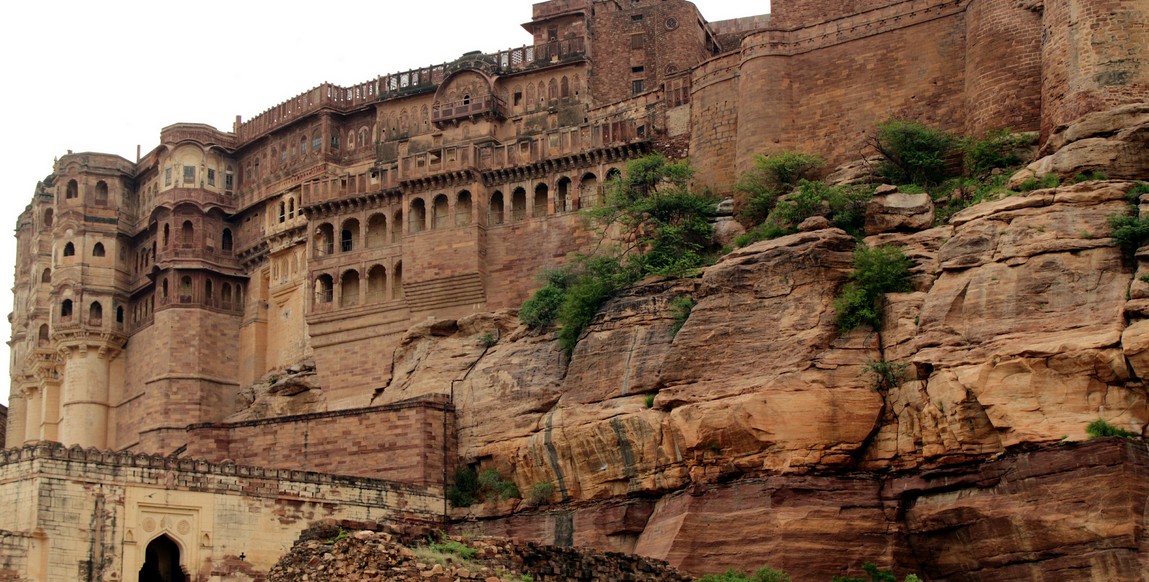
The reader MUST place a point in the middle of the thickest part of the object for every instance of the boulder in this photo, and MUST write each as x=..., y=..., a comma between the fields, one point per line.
x=891, y=211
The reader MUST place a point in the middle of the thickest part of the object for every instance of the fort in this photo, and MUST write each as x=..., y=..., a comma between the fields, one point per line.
x=298, y=249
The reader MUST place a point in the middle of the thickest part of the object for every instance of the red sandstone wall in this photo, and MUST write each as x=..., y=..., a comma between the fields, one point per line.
x=517, y=252
x=827, y=100
x=1003, y=67
x=714, y=122
x=1095, y=56
x=401, y=442
x=796, y=13
x=182, y=370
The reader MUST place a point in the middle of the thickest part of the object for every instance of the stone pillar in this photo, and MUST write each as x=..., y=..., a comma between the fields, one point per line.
x=1095, y=56
x=84, y=395
x=17, y=417
x=34, y=414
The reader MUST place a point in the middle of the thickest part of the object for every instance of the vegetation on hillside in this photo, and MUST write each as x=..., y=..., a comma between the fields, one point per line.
x=650, y=223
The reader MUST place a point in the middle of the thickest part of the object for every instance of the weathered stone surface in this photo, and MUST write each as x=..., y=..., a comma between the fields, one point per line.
x=1112, y=142
x=894, y=211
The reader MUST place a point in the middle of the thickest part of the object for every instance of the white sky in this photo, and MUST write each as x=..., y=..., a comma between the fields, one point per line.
x=106, y=76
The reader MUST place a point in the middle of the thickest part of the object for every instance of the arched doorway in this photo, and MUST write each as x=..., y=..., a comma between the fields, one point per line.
x=162, y=562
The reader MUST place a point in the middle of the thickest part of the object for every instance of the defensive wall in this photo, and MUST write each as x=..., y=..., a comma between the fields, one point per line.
x=76, y=514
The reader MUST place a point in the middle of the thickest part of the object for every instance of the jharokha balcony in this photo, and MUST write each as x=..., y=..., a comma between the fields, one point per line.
x=468, y=108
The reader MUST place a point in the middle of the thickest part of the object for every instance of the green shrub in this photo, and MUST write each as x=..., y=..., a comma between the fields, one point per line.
x=649, y=400
x=1045, y=182
x=877, y=271
x=1134, y=194
x=541, y=492
x=764, y=231
x=1130, y=232
x=877, y=575
x=1099, y=428
x=887, y=375
x=471, y=487
x=773, y=176
x=488, y=340
x=680, y=308
x=845, y=206
x=965, y=192
x=996, y=149
x=542, y=308
x=764, y=574
x=665, y=228
x=492, y=485
x=913, y=153
x=1090, y=175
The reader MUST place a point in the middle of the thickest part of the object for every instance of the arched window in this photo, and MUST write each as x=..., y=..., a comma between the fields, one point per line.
x=66, y=310
x=363, y=136
x=376, y=230
x=46, y=276
x=588, y=191
x=303, y=146
x=397, y=282
x=563, y=201
x=377, y=284
x=164, y=289
x=324, y=240
x=518, y=204
x=531, y=102
x=208, y=292
x=349, y=236
x=324, y=289
x=290, y=208
x=167, y=234
x=43, y=339
x=495, y=209
x=418, y=215
x=463, y=209
x=228, y=243
x=239, y=296
x=351, y=140
x=282, y=211
x=98, y=250
x=553, y=91
x=119, y=315
x=69, y=250
x=225, y=295
x=540, y=207
x=187, y=234
x=185, y=289
x=397, y=228
x=274, y=155
x=101, y=193
x=349, y=289
x=72, y=190
x=466, y=98
x=565, y=88
x=95, y=314
x=442, y=212
x=48, y=218
x=316, y=142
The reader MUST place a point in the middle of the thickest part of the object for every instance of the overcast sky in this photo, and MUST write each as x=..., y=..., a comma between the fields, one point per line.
x=107, y=76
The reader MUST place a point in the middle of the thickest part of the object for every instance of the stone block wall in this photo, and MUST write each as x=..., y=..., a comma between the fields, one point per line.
x=1095, y=56
x=714, y=122
x=401, y=442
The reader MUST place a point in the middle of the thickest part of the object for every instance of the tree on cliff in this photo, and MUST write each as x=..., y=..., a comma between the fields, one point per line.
x=650, y=223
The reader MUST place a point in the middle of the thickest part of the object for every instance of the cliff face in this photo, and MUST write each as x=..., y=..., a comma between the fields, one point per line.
x=767, y=441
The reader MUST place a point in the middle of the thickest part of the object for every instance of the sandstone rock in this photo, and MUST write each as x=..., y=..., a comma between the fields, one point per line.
x=726, y=230
x=814, y=223
x=856, y=172
x=893, y=211
x=1113, y=142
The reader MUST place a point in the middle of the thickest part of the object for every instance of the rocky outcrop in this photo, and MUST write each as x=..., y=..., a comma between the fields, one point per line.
x=1113, y=142
x=759, y=425
x=892, y=211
